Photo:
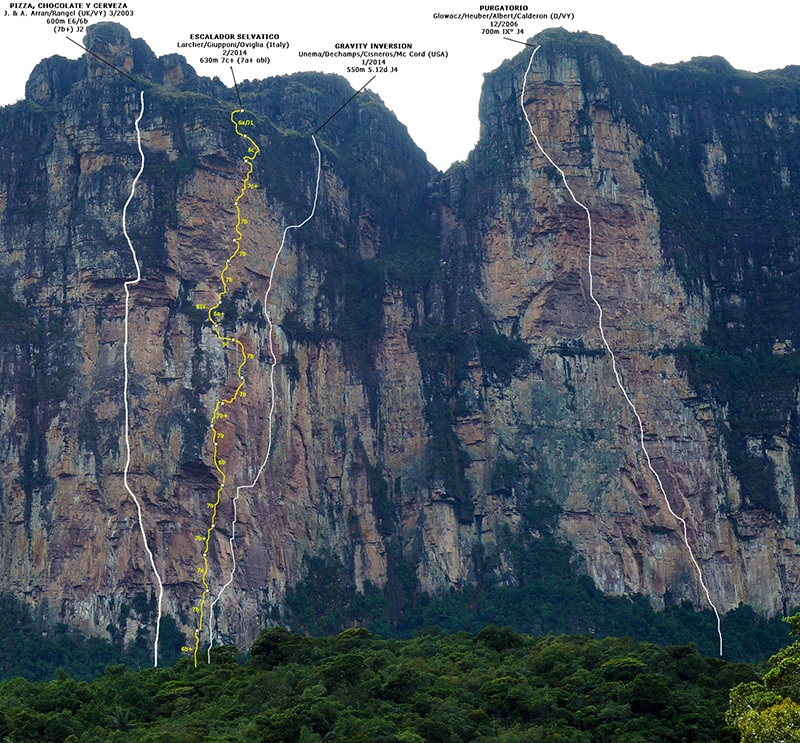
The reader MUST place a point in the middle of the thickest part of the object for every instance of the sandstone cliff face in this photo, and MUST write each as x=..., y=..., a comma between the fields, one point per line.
x=439, y=366
x=565, y=418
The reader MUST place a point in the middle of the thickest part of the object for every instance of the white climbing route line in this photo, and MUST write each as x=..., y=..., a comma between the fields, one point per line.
x=617, y=375
x=273, y=364
x=128, y=285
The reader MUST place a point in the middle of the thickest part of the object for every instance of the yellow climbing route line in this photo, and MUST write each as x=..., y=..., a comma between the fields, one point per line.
x=215, y=316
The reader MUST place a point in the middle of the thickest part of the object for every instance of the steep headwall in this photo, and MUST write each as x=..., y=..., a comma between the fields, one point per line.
x=671, y=164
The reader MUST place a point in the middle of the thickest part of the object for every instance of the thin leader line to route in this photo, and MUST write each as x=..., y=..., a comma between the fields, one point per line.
x=215, y=316
x=128, y=285
x=273, y=364
x=236, y=86
x=342, y=106
x=104, y=61
x=625, y=394
x=524, y=43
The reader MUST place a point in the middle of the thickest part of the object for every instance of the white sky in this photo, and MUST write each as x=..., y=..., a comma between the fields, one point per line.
x=436, y=99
